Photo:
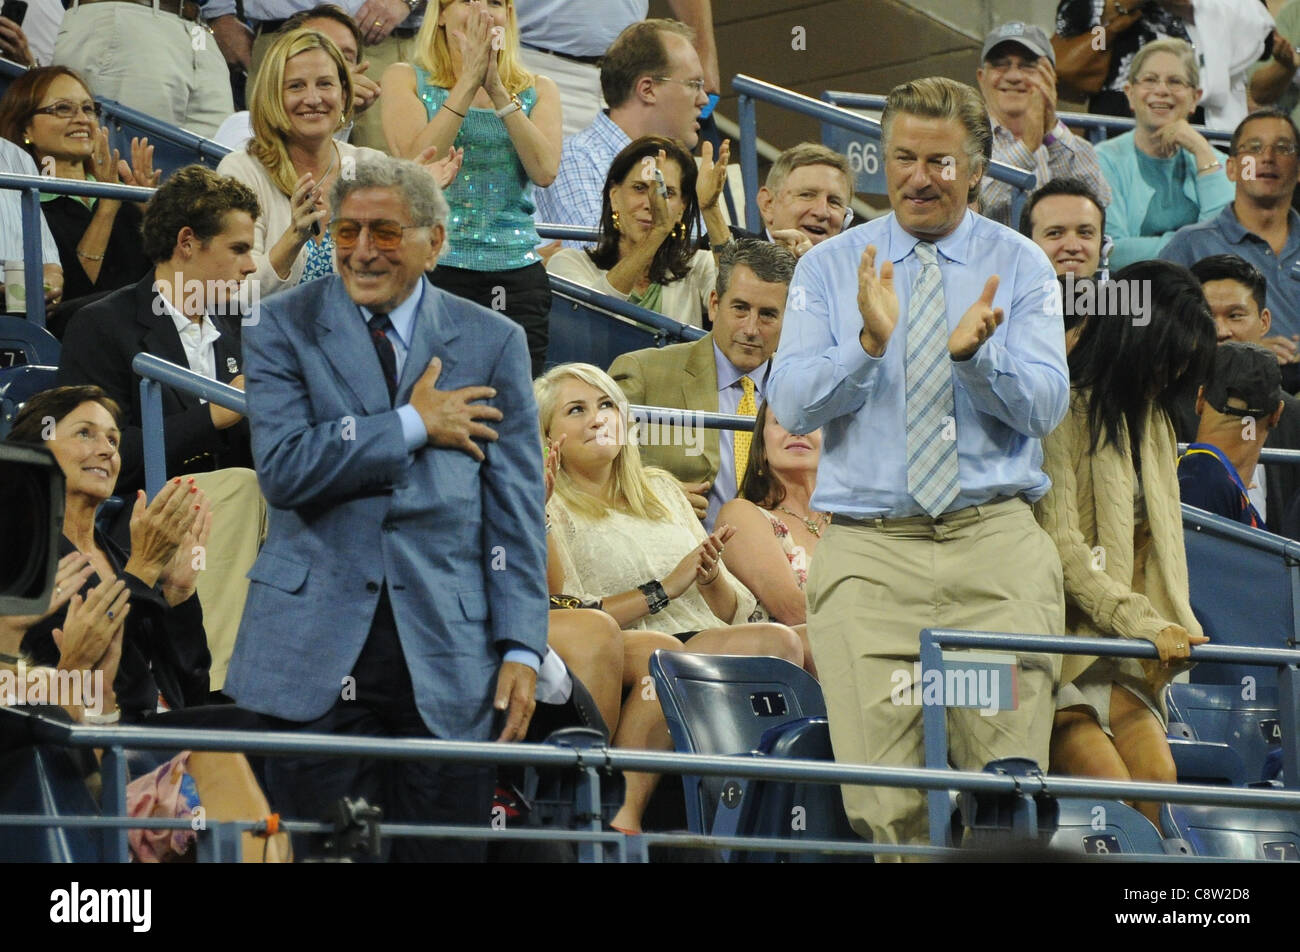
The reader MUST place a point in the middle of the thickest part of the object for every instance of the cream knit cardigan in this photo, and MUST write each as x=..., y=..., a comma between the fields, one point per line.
x=1088, y=512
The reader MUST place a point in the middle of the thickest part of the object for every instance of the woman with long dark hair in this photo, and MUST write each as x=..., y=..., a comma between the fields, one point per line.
x=1113, y=511
x=647, y=253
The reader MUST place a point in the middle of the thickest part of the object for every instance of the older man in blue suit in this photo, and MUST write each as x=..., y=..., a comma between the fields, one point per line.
x=401, y=590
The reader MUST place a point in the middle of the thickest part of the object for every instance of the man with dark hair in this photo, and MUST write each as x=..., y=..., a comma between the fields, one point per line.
x=1236, y=292
x=654, y=83
x=936, y=377
x=1238, y=406
x=198, y=232
x=1018, y=81
x=1067, y=220
x=1259, y=226
x=724, y=371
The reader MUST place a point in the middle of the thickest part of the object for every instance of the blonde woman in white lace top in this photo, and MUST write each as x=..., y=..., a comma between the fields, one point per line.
x=627, y=536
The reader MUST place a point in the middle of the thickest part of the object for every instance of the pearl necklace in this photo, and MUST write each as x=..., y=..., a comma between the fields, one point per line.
x=815, y=526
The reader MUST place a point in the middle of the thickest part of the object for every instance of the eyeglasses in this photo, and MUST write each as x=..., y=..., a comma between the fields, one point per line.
x=1283, y=149
x=1004, y=63
x=1176, y=84
x=67, y=109
x=384, y=234
x=697, y=85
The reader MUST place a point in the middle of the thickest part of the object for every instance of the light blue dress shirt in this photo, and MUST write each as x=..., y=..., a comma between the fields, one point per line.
x=263, y=10
x=730, y=392
x=402, y=318
x=1010, y=394
x=576, y=27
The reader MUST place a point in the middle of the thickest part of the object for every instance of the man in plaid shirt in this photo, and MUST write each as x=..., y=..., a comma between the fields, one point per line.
x=1018, y=82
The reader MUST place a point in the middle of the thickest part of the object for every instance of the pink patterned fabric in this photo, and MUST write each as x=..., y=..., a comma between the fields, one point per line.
x=166, y=792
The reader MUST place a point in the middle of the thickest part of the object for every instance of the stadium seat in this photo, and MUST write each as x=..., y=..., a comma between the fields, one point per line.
x=795, y=811
x=1104, y=828
x=1233, y=832
x=22, y=342
x=724, y=704
x=17, y=386
x=1242, y=584
x=593, y=328
x=1217, y=714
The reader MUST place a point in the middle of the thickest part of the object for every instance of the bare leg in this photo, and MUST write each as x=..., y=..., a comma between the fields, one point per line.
x=642, y=726
x=808, y=664
x=766, y=638
x=592, y=646
x=1141, y=742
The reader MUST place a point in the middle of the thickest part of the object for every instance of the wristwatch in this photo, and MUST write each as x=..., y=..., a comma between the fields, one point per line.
x=513, y=106
x=655, y=596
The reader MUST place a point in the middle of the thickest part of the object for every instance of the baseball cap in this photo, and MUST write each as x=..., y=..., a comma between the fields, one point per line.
x=1245, y=372
x=1031, y=37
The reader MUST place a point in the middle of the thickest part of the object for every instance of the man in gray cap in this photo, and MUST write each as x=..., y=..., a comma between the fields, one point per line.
x=1239, y=404
x=1018, y=82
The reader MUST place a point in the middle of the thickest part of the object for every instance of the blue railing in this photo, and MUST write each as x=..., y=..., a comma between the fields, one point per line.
x=933, y=641
x=1098, y=128
x=835, y=118
x=588, y=763
x=673, y=330
x=31, y=187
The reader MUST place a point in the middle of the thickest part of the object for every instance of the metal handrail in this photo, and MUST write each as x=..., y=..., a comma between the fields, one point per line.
x=554, y=232
x=934, y=640
x=1097, y=126
x=753, y=90
x=651, y=319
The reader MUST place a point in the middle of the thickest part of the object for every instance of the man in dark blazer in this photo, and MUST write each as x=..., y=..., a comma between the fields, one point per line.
x=198, y=231
x=401, y=591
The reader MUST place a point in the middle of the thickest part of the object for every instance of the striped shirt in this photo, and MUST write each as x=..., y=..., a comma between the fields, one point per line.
x=574, y=197
x=1067, y=155
x=17, y=162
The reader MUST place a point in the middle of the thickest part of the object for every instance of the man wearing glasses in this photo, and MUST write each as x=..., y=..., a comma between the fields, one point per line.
x=653, y=80
x=1260, y=226
x=1018, y=83
x=401, y=591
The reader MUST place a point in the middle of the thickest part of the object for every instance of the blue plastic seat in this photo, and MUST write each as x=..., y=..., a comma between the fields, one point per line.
x=724, y=704
x=1242, y=583
x=1217, y=714
x=22, y=342
x=17, y=386
x=1104, y=828
x=1234, y=832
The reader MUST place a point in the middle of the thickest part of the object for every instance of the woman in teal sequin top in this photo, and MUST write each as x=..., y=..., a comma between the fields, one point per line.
x=466, y=89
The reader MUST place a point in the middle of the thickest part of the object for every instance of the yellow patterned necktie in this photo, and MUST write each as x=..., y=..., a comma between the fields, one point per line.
x=741, y=438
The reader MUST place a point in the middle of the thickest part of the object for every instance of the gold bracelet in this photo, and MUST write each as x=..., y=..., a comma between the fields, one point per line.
x=1209, y=168
x=89, y=257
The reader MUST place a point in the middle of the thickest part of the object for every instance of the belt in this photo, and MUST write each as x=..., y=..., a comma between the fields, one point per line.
x=274, y=26
x=882, y=522
x=185, y=9
x=588, y=60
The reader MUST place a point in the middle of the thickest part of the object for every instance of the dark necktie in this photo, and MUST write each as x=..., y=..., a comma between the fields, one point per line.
x=379, y=325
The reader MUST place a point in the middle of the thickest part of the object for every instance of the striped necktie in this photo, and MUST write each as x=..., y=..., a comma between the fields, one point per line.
x=932, y=475
x=741, y=438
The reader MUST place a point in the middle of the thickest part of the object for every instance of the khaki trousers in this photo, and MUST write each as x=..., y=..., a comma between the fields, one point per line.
x=871, y=590
x=368, y=127
x=238, y=530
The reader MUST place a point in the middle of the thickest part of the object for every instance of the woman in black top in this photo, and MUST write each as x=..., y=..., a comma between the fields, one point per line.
x=49, y=112
x=1146, y=20
x=165, y=657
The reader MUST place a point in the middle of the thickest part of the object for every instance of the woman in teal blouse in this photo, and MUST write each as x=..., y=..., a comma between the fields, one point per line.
x=467, y=90
x=1164, y=174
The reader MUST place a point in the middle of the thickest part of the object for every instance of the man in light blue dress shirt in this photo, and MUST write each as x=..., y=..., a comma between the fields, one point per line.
x=931, y=496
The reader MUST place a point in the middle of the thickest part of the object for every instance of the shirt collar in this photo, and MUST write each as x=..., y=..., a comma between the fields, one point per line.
x=402, y=317
x=87, y=200
x=609, y=130
x=207, y=330
x=1236, y=232
x=954, y=246
x=729, y=375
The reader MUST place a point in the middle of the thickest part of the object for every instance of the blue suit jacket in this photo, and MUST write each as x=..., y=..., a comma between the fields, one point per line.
x=461, y=544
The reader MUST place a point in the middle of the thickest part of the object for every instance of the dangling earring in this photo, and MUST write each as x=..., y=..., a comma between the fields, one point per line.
x=617, y=227
x=27, y=140
x=679, y=231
